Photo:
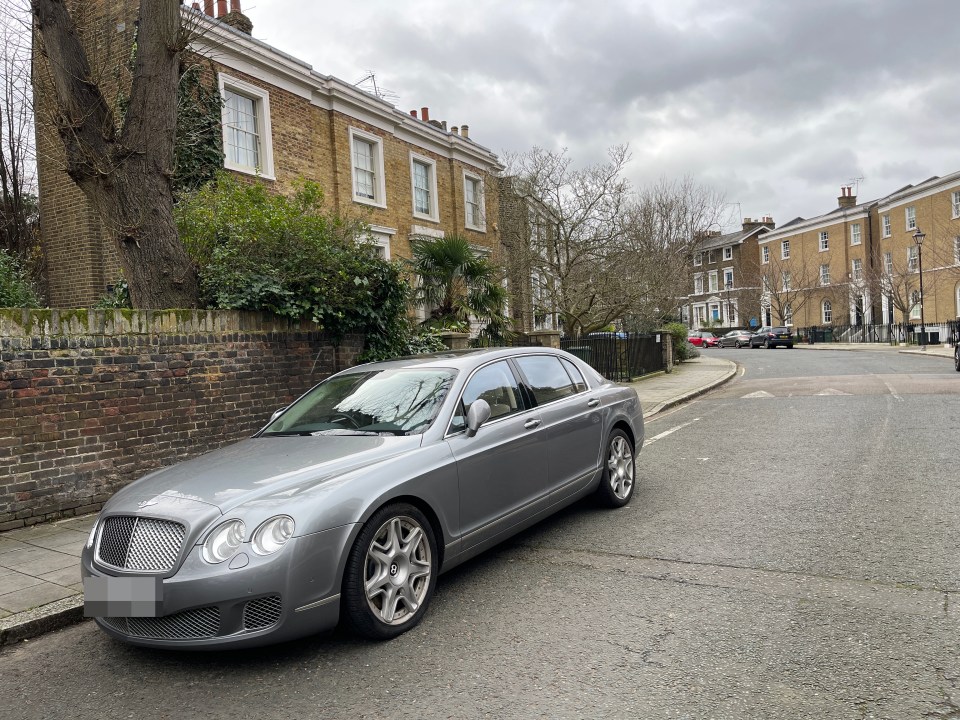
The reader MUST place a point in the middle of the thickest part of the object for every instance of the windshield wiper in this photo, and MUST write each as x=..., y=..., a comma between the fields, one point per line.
x=302, y=433
x=334, y=431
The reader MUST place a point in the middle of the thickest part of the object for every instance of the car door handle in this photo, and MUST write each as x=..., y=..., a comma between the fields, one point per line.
x=531, y=423
x=594, y=402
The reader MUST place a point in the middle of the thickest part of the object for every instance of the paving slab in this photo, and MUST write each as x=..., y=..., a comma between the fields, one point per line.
x=33, y=596
x=43, y=562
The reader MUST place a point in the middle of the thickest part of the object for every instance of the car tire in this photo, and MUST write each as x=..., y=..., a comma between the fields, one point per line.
x=738, y=344
x=767, y=345
x=619, y=471
x=397, y=548
x=790, y=346
x=956, y=357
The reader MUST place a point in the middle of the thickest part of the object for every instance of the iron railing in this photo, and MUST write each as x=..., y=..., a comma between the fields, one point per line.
x=936, y=333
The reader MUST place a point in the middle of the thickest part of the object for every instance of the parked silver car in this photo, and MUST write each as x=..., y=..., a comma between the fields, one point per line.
x=353, y=499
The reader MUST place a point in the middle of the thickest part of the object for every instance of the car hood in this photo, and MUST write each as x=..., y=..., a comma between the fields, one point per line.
x=261, y=467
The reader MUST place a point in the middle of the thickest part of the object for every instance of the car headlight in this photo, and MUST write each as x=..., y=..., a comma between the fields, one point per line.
x=224, y=542
x=93, y=534
x=272, y=535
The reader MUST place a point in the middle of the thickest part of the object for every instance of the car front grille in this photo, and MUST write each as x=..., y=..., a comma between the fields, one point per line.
x=187, y=625
x=136, y=543
x=262, y=612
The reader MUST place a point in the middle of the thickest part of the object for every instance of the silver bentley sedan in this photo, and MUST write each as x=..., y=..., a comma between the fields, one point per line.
x=353, y=499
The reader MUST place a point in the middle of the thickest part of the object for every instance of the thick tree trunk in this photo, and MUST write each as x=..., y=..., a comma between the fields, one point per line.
x=126, y=175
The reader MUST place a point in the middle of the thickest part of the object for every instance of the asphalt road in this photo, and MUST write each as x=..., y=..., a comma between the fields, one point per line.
x=793, y=551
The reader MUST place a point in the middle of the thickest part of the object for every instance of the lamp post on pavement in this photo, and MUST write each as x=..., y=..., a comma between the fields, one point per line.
x=728, y=286
x=918, y=237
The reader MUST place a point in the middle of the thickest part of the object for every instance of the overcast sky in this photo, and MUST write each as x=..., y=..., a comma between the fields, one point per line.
x=775, y=103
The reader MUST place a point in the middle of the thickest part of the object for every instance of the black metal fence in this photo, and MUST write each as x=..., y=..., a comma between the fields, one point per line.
x=936, y=333
x=618, y=356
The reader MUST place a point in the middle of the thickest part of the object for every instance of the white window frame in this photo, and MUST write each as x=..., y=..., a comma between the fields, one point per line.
x=913, y=258
x=765, y=255
x=857, y=269
x=787, y=315
x=888, y=263
x=712, y=281
x=469, y=177
x=785, y=250
x=887, y=230
x=856, y=234
x=261, y=105
x=379, y=198
x=714, y=312
x=955, y=204
x=915, y=301
x=698, y=259
x=728, y=278
x=910, y=215
x=956, y=251
x=698, y=284
x=434, y=206
x=380, y=237
x=826, y=312
x=824, y=240
x=728, y=253
x=785, y=280
x=825, y=274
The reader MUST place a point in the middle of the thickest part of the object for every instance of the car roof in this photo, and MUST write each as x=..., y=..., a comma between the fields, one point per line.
x=459, y=359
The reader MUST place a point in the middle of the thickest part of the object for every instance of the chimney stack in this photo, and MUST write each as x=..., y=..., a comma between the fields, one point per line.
x=754, y=223
x=235, y=18
x=455, y=130
x=413, y=113
x=847, y=198
x=465, y=131
x=425, y=114
x=195, y=6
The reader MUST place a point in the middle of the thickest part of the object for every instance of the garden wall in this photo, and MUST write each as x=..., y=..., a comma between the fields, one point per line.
x=93, y=399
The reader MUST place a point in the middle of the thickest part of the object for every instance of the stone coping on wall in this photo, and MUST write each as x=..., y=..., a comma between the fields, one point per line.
x=67, y=322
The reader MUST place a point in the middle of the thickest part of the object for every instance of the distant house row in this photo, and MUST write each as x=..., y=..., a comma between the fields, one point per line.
x=859, y=264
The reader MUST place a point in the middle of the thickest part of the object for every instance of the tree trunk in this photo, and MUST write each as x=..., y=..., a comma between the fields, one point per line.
x=126, y=174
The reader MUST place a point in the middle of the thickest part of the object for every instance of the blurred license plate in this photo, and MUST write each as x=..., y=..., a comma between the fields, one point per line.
x=122, y=596
x=783, y=337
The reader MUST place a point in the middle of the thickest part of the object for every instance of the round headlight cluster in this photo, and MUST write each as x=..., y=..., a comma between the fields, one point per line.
x=226, y=539
x=272, y=535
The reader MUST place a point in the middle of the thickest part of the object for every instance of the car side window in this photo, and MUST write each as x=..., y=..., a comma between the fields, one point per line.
x=547, y=379
x=579, y=384
x=497, y=385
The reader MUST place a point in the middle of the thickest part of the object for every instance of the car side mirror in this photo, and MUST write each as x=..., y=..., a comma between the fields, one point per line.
x=276, y=414
x=477, y=415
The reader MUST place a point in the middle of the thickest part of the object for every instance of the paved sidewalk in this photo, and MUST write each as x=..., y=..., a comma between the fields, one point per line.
x=937, y=351
x=687, y=380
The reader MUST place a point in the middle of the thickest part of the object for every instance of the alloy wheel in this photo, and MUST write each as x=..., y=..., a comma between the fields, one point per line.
x=397, y=570
x=620, y=467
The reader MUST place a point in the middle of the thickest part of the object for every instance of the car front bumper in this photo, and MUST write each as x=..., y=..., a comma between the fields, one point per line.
x=247, y=601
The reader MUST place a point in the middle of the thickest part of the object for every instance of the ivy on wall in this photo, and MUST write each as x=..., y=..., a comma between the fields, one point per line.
x=199, y=143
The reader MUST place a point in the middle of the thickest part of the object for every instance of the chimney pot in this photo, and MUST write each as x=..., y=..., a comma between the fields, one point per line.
x=221, y=8
x=465, y=131
x=208, y=7
x=196, y=6
x=443, y=125
x=455, y=130
x=425, y=114
x=234, y=6
x=413, y=113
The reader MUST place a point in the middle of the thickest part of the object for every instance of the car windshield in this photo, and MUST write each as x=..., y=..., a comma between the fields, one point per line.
x=392, y=402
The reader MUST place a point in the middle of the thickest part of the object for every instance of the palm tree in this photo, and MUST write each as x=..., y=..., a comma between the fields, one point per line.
x=458, y=285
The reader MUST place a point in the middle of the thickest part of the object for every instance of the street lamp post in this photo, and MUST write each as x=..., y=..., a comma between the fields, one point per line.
x=918, y=237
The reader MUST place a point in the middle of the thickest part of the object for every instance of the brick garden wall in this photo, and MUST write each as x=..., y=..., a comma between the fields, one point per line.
x=91, y=400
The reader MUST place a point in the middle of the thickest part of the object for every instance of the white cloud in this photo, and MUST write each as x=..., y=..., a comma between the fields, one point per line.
x=775, y=102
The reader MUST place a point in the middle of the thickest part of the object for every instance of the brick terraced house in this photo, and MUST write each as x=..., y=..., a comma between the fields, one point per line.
x=407, y=174
x=725, y=286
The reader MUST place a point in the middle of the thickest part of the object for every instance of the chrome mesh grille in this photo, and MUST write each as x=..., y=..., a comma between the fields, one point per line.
x=136, y=543
x=186, y=625
x=262, y=612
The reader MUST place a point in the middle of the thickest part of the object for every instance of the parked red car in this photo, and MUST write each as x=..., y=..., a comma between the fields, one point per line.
x=702, y=338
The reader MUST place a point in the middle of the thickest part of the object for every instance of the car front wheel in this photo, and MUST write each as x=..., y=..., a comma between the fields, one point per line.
x=619, y=471
x=391, y=572
x=956, y=357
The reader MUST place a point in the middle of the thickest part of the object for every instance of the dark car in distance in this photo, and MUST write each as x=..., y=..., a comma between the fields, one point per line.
x=771, y=337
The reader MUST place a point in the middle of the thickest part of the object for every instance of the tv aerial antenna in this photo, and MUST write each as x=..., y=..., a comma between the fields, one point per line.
x=369, y=83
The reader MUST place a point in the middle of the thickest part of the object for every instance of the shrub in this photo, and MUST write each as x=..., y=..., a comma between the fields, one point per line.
x=682, y=350
x=118, y=296
x=290, y=256
x=15, y=287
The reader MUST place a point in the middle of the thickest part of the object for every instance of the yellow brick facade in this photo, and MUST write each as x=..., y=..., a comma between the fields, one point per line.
x=310, y=119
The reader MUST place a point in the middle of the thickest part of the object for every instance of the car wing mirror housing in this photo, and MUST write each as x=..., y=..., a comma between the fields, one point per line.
x=276, y=414
x=477, y=415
